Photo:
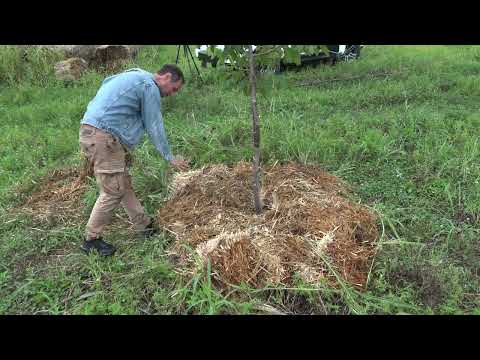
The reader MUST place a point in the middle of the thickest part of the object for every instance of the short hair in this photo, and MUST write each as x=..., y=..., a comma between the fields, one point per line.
x=177, y=74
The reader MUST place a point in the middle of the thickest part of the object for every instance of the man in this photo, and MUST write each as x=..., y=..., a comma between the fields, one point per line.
x=125, y=107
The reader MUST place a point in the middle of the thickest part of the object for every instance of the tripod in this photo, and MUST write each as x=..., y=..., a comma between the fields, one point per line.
x=189, y=56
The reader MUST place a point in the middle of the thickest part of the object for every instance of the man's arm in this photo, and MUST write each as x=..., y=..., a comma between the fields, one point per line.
x=153, y=121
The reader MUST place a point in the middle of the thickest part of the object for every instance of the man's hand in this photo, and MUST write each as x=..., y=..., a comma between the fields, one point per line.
x=179, y=163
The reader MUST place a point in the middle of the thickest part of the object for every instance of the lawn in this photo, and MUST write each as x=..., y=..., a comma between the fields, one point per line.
x=400, y=125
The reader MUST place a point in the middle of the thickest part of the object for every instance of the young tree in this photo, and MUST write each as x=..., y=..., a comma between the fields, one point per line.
x=246, y=58
x=255, y=134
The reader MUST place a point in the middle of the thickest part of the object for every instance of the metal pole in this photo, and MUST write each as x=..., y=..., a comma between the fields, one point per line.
x=178, y=53
x=193, y=60
x=185, y=53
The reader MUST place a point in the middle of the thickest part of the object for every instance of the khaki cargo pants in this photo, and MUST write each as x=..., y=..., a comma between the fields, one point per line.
x=108, y=157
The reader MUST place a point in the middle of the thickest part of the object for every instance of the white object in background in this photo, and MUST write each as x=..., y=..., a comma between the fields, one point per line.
x=204, y=48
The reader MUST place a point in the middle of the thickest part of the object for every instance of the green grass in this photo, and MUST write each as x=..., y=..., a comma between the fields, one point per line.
x=401, y=125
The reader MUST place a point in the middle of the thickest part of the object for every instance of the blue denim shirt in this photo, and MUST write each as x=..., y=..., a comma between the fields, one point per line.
x=127, y=105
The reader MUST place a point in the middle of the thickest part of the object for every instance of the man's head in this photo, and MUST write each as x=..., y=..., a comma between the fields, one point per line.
x=169, y=79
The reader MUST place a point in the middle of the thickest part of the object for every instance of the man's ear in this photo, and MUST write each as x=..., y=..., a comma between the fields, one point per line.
x=168, y=77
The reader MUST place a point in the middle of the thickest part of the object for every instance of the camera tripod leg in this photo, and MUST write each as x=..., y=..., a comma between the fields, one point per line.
x=187, y=52
x=194, y=63
x=178, y=53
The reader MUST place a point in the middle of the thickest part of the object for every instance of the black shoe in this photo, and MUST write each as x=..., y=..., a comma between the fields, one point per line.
x=102, y=247
x=150, y=230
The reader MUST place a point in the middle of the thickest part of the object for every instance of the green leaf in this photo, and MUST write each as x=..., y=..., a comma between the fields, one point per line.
x=292, y=56
x=266, y=55
x=325, y=49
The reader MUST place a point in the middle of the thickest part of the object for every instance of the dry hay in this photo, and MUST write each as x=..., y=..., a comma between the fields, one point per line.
x=58, y=199
x=308, y=226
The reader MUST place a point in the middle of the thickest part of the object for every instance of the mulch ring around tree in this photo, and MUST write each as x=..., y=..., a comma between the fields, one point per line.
x=308, y=228
x=58, y=199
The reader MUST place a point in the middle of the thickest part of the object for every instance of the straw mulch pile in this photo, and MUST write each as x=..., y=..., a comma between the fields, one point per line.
x=308, y=229
x=58, y=198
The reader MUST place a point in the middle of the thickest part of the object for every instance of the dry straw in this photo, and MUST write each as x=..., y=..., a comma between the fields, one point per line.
x=307, y=219
x=58, y=199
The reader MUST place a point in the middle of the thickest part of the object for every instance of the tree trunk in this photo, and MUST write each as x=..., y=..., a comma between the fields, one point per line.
x=256, y=135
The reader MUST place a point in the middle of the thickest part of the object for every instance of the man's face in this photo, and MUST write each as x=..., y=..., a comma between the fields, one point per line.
x=167, y=87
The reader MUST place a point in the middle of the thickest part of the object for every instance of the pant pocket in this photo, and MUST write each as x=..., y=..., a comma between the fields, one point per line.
x=112, y=184
x=107, y=153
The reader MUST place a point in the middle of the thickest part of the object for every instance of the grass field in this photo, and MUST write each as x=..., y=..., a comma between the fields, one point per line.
x=401, y=125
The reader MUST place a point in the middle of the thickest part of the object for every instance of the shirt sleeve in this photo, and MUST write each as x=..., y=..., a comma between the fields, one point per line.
x=153, y=121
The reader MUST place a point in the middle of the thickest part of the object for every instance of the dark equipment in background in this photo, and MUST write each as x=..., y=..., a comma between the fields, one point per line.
x=189, y=56
x=336, y=53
